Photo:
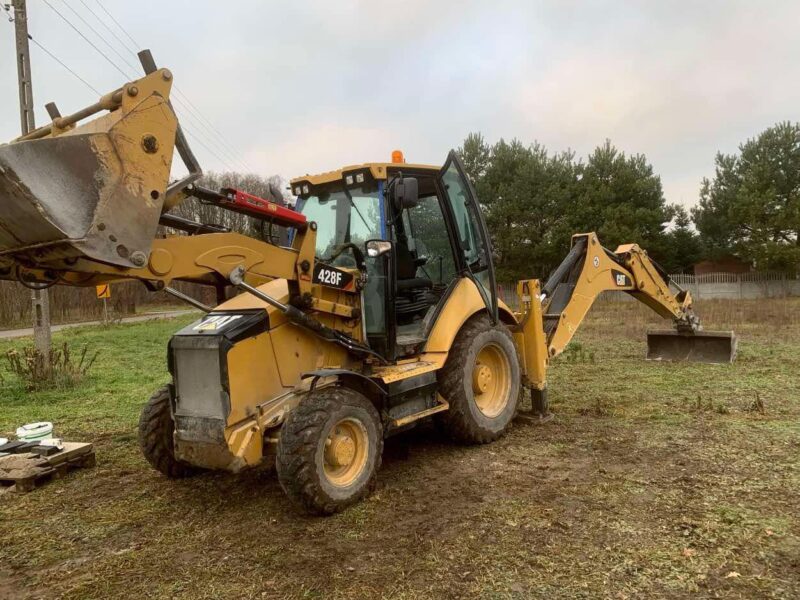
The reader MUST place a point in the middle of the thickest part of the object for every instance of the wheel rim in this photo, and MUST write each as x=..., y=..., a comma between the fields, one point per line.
x=491, y=380
x=346, y=452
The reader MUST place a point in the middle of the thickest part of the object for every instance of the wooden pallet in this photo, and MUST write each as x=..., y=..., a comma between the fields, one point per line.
x=26, y=472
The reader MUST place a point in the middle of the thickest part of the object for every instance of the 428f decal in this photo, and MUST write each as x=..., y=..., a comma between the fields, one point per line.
x=332, y=277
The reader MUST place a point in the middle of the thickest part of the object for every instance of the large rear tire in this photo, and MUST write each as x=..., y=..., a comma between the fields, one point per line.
x=329, y=450
x=481, y=381
x=155, y=437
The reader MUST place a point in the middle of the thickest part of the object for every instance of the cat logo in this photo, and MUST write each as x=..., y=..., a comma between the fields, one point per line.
x=621, y=279
x=216, y=322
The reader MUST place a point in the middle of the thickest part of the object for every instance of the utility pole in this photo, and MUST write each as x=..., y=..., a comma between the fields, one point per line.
x=40, y=300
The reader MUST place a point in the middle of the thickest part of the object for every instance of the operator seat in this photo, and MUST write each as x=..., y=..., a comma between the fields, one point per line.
x=414, y=295
x=407, y=270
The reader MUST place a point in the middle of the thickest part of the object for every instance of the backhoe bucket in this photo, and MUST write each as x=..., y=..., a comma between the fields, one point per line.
x=700, y=346
x=95, y=190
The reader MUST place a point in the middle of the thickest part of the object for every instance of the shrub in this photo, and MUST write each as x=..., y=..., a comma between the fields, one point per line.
x=575, y=353
x=56, y=369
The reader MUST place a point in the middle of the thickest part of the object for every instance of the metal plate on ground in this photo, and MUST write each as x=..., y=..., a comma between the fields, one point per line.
x=716, y=347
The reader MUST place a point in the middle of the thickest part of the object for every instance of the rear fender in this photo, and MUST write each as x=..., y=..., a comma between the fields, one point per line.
x=463, y=303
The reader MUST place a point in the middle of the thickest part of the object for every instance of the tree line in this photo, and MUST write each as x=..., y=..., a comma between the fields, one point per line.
x=534, y=200
x=269, y=188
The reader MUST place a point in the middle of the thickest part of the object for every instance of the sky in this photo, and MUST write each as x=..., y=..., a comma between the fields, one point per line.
x=301, y=87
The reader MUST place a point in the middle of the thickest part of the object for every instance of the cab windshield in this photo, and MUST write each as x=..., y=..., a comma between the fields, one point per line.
x=343, y=216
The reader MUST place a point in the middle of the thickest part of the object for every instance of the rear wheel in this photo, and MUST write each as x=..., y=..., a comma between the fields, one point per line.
x=481, y=381
x=155, y=437
x=330, y=450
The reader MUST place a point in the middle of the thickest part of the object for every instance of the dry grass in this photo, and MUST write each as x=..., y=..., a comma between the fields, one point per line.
x=654, y=480
x=37, y=371
x=767, y=317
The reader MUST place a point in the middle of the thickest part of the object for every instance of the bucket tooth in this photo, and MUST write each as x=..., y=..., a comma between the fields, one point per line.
x=717, y=347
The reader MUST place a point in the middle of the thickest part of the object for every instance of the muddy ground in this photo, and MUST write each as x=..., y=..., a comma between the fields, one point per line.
x=653, y=480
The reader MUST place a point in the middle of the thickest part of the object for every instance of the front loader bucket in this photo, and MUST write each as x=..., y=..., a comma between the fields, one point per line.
x=700, y=346
x=95, y=190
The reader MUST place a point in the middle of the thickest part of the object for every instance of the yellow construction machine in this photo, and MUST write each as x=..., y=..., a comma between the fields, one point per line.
x=380, y=311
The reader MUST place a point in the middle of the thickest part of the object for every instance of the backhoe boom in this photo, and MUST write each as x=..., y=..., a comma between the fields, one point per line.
x=553, y=313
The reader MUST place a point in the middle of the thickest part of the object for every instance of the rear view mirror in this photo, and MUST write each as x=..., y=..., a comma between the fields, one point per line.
x=405, y=193
x=377, y=248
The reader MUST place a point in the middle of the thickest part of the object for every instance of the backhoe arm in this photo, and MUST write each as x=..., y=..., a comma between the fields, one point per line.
x=590, y=270
x=552, y=313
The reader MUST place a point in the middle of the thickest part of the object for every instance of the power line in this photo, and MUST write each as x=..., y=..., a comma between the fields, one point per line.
x=230, y=156
x=93, y=30
x=196, y=112
x=209, y=138
x=88, y=41
x=186, y=103
x=220, y=136
x=110, y=30
x=199, y=141
x=196, y=119
x=200, y=132
x=54, y=57
x=125, y=31
x=80, y=33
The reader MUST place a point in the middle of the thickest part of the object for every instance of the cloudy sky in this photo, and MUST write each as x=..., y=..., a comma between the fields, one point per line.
x=297, y=87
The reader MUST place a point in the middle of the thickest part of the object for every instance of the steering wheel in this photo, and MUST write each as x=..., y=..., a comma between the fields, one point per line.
x=358, y=255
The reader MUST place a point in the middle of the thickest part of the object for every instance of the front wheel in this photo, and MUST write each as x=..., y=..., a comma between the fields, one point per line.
x=481, y=381
x=155, y=437
x=329, y=450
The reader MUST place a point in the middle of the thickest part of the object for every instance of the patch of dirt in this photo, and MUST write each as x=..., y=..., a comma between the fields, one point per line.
x=583, y=506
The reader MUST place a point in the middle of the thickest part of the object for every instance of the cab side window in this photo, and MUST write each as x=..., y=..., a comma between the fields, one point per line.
x=471, y=242
x=427, y=238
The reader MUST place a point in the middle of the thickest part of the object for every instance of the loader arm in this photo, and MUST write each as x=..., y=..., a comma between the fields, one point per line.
x=81, y=199
x=552, y=313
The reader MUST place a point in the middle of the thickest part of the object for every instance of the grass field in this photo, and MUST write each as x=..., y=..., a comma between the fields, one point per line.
x=653, y=480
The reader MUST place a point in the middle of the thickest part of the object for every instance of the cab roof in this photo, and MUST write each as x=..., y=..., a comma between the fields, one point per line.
x=378, y=170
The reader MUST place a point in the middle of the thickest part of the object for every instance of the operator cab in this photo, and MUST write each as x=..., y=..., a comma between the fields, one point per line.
x=418, y=230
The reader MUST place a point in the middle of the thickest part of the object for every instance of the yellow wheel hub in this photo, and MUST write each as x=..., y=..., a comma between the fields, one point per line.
x=491, y=380
x=481, y=379
x=346, y=452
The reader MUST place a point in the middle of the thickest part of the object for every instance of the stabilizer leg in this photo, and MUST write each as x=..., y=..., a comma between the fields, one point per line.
x=540, y=408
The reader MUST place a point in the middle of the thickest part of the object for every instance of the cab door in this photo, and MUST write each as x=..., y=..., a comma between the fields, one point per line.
x=474, y=249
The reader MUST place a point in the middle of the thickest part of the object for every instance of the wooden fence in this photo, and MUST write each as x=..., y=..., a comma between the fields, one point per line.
x=77, y=304
x=70, y=304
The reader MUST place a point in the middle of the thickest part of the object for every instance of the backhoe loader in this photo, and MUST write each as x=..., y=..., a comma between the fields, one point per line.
x=380, y=310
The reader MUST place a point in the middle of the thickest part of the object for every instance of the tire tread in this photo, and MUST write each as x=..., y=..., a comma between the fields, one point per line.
x=297, y=449
x=458, y=422
x=155, y=437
